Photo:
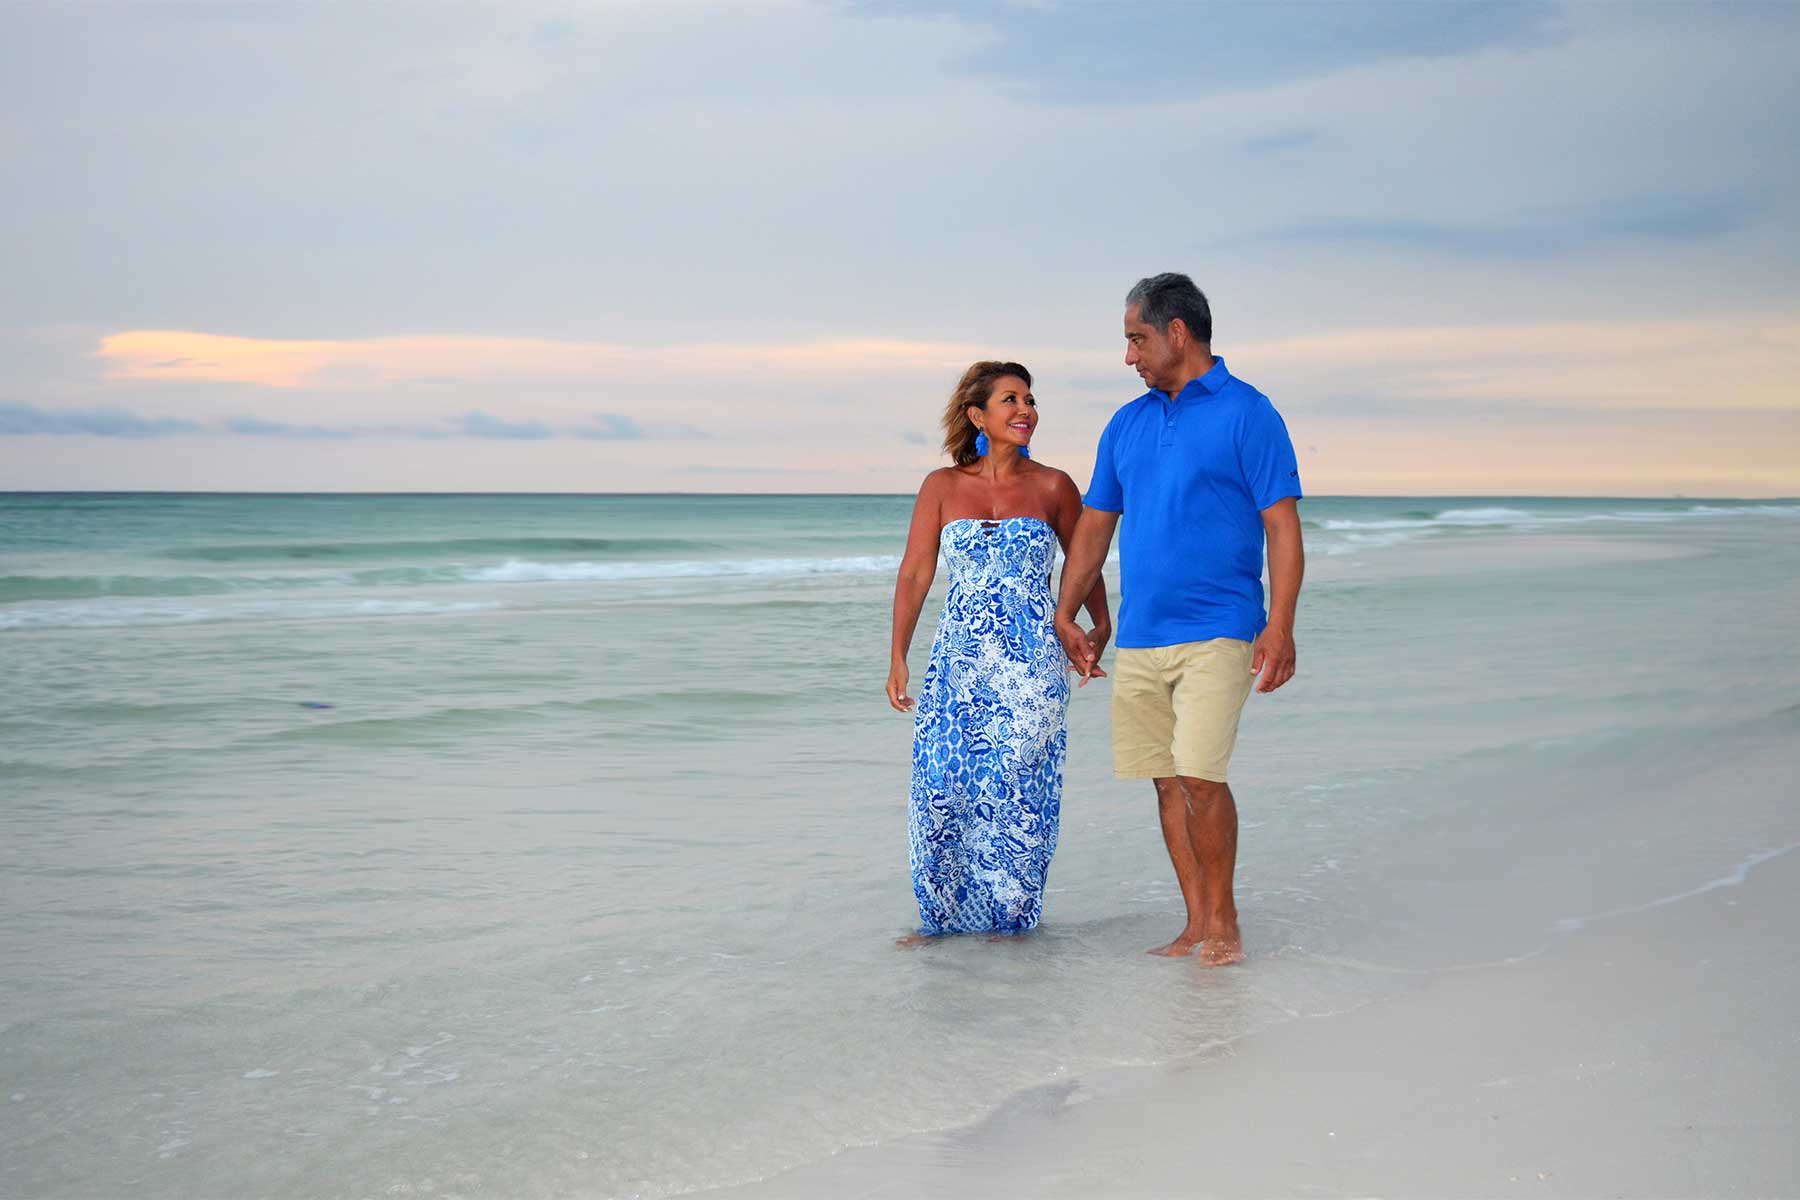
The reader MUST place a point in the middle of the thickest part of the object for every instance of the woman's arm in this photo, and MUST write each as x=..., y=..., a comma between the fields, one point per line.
x=918, y=566
x=1067, y=508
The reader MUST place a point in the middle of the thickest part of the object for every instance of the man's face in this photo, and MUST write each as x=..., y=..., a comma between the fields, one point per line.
x=1156, y=357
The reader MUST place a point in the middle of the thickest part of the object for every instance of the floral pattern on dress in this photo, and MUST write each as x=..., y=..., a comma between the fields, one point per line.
x=988, y=735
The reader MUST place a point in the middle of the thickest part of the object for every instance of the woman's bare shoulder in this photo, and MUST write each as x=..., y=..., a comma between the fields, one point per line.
x=940, y=483
x=1053, y=480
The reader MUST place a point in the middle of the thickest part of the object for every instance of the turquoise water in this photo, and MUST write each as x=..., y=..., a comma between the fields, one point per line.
x=554, y=845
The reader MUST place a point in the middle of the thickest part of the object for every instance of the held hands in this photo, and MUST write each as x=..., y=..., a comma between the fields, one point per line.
x=896, y=687
x=1273, y=658
x=1083, y=648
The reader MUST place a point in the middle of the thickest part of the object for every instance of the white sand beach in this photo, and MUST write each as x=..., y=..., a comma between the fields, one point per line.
x=1654, y=1055
x=1648, y=1050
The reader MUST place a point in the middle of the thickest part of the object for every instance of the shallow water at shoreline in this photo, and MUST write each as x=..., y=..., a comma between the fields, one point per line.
x=586, y=882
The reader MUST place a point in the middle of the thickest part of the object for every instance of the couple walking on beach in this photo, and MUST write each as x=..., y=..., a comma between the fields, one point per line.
x=1194, y=474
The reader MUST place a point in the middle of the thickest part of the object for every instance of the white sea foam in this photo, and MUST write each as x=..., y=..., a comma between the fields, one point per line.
x=1482, y=516
x=517, y=571
x=1736, y=877
x=1337, y=524
x=1450, y=517
x=1520, y=519
x=1746, y=510
x=99, y=614
x=1350, y=543
x=104, y=612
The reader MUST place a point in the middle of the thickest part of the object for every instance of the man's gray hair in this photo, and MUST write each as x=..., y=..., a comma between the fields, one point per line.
x=1162, y=298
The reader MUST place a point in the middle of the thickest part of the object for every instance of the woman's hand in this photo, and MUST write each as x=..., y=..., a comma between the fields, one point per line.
x=896, y=687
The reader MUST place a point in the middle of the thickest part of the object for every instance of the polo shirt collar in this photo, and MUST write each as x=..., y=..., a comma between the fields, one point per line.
x=1209, y=384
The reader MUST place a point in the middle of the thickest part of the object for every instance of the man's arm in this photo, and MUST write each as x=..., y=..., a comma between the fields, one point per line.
x=1274, y=656
x=1081, y=571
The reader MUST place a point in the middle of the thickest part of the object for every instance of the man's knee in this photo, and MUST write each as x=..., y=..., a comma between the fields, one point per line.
x=1203, y=793
x=1170, y=793
x=1185, y=791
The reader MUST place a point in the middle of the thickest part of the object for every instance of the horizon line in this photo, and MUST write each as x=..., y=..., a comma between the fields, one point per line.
x=8, y=492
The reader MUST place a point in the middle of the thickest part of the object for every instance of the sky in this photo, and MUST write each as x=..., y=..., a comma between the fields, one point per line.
x=1466, y=248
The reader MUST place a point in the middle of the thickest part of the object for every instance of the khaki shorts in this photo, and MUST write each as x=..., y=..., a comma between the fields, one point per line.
x=1175, y=708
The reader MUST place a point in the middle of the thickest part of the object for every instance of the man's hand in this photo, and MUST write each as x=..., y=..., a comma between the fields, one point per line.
x=1273, y=657
x=1082, y=648
x=1097, y=638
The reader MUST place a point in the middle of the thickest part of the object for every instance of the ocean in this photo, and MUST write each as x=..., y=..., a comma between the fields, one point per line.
x=556, y=845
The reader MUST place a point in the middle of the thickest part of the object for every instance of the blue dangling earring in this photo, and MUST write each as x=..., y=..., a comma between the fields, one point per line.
x=981, y=445
x=1024, y=451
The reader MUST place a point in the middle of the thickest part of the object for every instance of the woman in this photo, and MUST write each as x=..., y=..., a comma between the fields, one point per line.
x=988, y=736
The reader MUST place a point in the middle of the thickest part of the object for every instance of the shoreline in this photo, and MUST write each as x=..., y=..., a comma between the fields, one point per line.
x=1626, y=1027
x=1606, y=1064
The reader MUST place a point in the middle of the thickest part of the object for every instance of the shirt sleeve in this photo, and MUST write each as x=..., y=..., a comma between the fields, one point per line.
x=1266, y=455
x=1104, y=492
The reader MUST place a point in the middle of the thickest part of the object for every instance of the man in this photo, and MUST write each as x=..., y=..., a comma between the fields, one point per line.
x=1202, y=470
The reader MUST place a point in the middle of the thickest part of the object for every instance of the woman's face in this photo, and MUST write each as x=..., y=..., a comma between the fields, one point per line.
x=1011, y=413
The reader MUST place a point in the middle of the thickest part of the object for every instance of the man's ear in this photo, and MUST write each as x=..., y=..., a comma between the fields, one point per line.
x=1178, y=340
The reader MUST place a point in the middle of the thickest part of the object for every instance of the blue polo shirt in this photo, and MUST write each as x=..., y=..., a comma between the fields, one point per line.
x=1192, y=473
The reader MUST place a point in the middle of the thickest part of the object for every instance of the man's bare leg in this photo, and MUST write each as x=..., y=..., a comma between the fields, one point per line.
x=1213, y=832
x=1172, y=810
x=1199, y=824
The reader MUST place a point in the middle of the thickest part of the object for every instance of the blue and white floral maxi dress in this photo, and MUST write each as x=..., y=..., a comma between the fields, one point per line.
x=988, y=736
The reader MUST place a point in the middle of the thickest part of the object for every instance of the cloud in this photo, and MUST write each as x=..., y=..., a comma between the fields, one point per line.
x=689, y=469
x=194, y=356
x=1528, y=235
x=257, y=427
x=486, y=425
x=610, y=427
x=1413, y=188
x=189, y=355
x=1726, y=363
x=1274, y=143
x=21, y=420
x=1072, y=50
x=1750, y=359
x=18, y=419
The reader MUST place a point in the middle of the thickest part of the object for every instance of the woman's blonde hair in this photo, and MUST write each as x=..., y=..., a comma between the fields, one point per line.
x=973, y=391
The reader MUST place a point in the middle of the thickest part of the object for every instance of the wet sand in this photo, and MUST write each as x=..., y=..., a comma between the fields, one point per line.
x=1644, y=1048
